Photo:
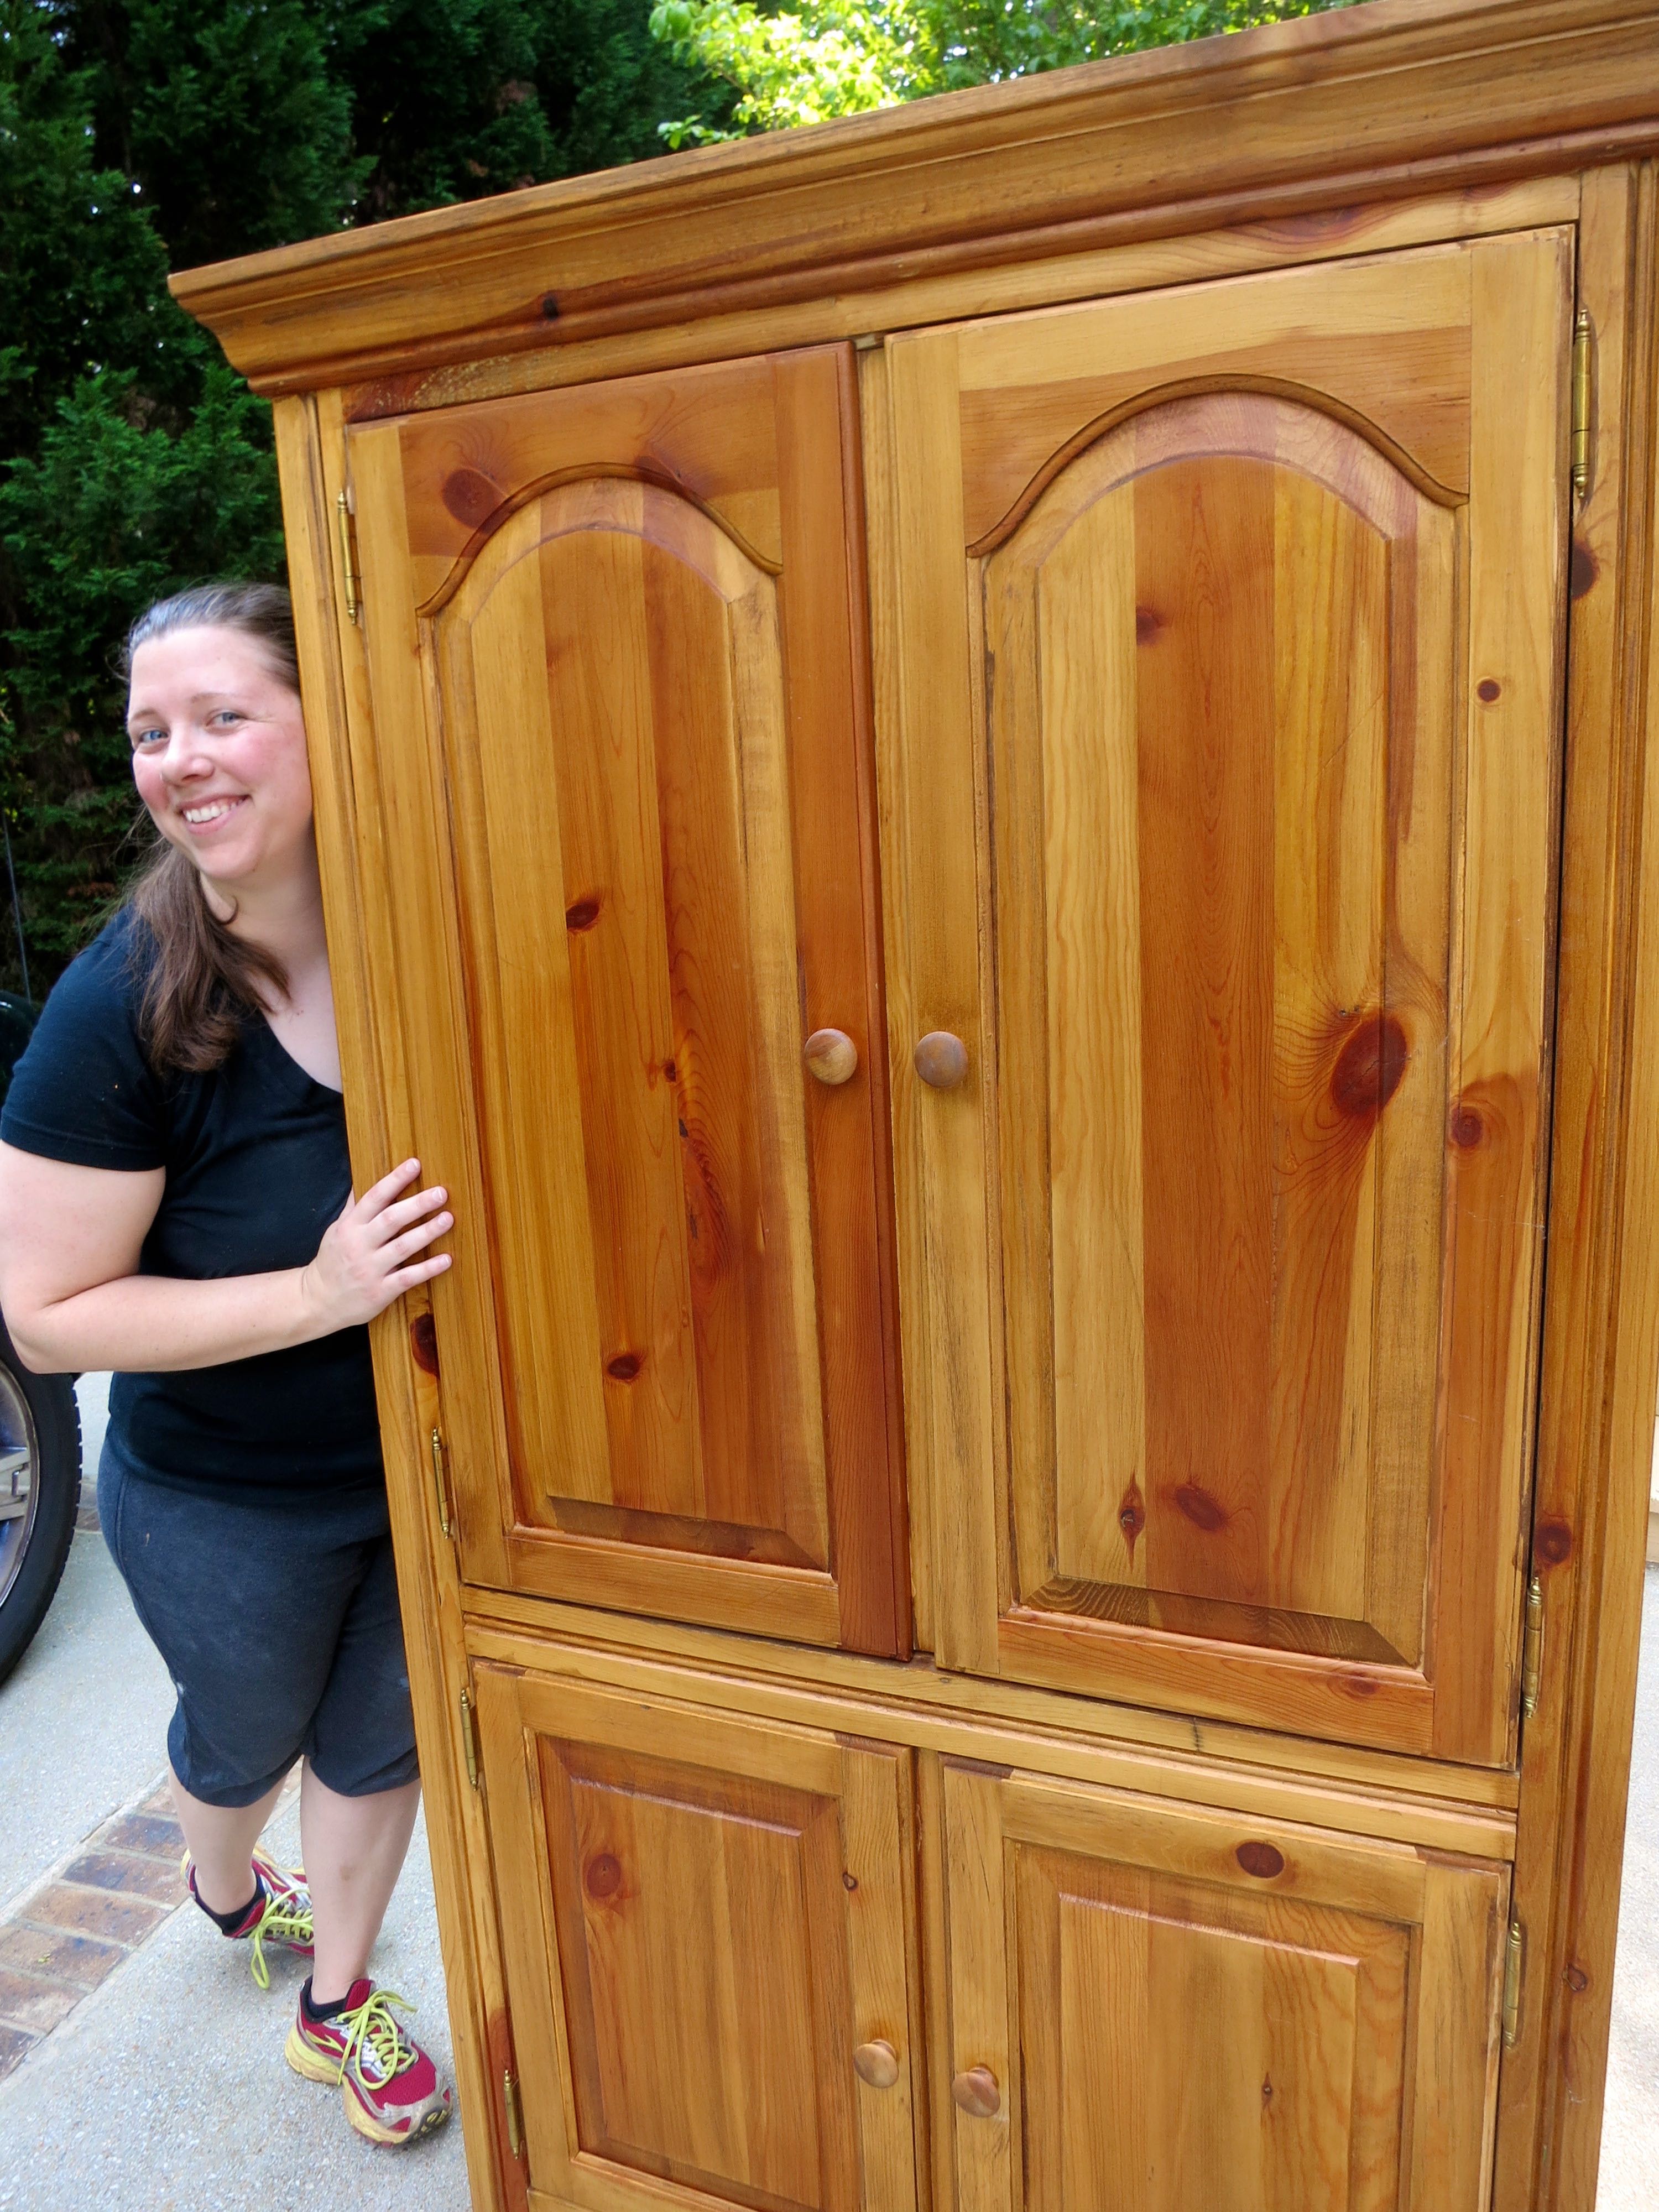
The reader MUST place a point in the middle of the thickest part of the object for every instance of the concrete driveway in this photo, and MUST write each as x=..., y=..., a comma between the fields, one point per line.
x=146, y=2070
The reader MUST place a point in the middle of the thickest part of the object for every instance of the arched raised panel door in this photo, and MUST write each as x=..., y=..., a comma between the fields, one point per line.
x=1227, y=1324
x=705, y=1942
x=642, y=724
x=1179, y=2007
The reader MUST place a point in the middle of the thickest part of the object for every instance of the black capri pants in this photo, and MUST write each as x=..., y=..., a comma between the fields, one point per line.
x=280, y=1628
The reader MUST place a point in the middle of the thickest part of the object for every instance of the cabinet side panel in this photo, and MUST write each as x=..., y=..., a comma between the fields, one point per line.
x=358, y=932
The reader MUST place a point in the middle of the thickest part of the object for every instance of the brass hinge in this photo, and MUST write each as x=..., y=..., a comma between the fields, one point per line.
x=470, y=1738
x=1514, y=1956
x=511, y=2100
x=1583, y=370
x=349, y=553
x=1532, y=1650
x=440, y=1484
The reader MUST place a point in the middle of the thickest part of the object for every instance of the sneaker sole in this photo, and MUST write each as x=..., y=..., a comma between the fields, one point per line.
x=312, y=2066
x=309, y=2065
x=376, y=2131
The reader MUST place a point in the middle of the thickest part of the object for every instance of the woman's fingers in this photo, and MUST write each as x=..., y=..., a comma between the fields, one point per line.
x=399, y=1248
x=381, y=1194
x=422, y=1272
x=395, y=1219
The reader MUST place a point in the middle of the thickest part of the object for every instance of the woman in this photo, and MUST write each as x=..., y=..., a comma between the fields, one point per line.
x=175, y=1203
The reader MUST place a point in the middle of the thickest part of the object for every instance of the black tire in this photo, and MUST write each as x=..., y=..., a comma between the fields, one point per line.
x=40, y=1421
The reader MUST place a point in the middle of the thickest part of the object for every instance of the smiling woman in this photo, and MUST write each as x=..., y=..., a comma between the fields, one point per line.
x=176, y=1205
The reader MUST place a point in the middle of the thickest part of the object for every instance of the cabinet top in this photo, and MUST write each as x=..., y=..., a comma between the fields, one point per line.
x=1291, y=122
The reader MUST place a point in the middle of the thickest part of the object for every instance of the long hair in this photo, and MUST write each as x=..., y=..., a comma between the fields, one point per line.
x=201, y=985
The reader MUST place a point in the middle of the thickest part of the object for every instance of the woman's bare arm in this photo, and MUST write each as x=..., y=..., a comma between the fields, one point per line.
x=69, y=1243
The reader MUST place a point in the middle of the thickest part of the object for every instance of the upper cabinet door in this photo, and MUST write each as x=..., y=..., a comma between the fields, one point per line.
x=621, y=740
x=1226, y=653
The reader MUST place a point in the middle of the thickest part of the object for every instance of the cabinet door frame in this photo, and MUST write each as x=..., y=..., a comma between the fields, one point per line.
x=860, y=1599
x=871, y=1787
x=1455, y=1911
x=945, y=865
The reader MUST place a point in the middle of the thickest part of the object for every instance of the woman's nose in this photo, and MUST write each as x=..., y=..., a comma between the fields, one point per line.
x=184, y=758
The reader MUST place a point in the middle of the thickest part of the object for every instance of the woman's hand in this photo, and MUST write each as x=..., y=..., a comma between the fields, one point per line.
x=371, y=1254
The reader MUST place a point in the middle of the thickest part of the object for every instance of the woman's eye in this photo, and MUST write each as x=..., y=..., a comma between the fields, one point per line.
x=225, y=716
x=148, y=737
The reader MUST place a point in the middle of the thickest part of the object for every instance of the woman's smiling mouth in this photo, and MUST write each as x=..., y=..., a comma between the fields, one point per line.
x=206, y=812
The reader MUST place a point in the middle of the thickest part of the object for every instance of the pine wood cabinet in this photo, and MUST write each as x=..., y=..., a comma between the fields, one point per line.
x=988, y=783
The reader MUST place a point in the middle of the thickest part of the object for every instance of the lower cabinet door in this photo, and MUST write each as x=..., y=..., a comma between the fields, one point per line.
x=1151, y=2007
x=706, y=1922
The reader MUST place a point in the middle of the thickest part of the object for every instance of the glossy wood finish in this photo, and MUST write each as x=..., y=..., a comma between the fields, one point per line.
x=1183, y=2010
x=705, y=1925
x=1320, y=114
x=1601, y=1317
x=1386, y=131
x=685, y=1235
x=831, y=1056
x=1271, y=942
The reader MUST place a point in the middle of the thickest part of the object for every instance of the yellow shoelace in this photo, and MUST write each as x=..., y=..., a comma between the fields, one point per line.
x=284, y=1918
x=284, y=1921
x=372, y=2024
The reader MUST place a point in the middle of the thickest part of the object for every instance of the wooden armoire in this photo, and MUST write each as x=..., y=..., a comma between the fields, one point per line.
x=989, y=787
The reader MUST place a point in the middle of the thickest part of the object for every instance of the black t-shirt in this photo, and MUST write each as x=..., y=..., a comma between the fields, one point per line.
x=255, y=1155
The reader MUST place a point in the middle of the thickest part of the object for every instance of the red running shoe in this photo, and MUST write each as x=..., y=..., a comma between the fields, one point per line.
x=389, y=2086
x=280, y=1912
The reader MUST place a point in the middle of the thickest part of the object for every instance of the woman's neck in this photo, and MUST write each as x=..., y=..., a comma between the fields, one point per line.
x=284, y=917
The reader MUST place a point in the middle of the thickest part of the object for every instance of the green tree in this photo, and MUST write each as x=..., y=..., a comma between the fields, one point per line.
x=826, y=57
x=139, y=133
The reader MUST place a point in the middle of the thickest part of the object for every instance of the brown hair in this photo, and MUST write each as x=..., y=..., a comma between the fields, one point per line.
x=202, y=984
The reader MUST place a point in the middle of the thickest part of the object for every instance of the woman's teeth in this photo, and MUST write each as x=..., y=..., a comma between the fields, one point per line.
x=198, y=815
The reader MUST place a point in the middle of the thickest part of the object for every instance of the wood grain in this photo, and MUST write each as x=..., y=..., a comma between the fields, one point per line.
x=1459, y=1809
x=1223, y=664
x=709, y=435
x=936, y=877
x=1518, y=619
x=714, y=1972
x=1601, y=1322
x=1335, y=2000
x=955, y=283
x=619, y=685
x=839, y=981
x=1393, y=355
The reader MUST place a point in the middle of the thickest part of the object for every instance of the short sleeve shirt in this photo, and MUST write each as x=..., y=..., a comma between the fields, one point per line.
x=256, y=1165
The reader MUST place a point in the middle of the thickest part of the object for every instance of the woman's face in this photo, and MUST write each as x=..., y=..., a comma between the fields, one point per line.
x=219, y=755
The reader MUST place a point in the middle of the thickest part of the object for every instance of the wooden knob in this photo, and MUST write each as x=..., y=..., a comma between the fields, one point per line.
x=832, y=1055
x=978, y=2093
x=941, y=1059
x=877, y=2064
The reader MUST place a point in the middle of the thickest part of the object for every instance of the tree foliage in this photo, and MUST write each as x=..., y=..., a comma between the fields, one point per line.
x=826, y=57
x=140, y=134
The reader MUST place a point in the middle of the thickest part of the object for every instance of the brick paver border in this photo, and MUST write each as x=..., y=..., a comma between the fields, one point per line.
x=66, y=1936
